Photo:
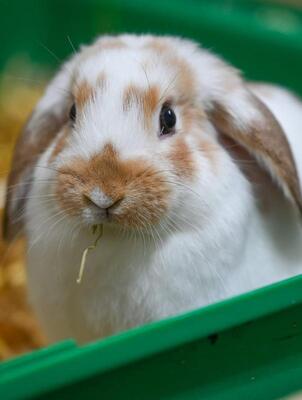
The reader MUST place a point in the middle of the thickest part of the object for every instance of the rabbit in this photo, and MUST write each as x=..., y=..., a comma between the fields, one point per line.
x=193, y=173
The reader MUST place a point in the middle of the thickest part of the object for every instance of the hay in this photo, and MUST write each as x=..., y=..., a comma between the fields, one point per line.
x=95, y=229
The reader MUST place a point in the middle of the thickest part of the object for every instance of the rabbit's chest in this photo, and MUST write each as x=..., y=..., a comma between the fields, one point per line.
x=124, y=284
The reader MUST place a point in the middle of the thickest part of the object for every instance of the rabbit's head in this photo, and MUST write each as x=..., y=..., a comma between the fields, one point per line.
x=134, y=130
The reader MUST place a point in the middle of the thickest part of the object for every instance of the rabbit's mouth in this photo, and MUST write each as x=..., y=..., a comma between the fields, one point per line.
x=136, y=209
x=100, y=208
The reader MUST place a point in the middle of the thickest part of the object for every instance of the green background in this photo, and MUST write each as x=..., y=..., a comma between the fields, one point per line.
x=264, y=41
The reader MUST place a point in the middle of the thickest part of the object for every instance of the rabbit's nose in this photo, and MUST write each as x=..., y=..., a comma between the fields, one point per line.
x=99, y=199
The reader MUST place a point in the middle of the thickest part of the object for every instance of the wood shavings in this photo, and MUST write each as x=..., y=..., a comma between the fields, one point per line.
x=95, y=229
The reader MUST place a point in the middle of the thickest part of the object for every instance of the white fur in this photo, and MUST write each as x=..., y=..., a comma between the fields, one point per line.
x=213, y=243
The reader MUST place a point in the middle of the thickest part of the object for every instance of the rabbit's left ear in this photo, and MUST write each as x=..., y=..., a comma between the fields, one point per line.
x=240, y=115
x=49, y=116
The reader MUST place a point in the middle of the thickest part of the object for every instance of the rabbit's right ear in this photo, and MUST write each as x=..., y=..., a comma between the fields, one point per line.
x=247, y=120
x=239, y=115
x=46, y=121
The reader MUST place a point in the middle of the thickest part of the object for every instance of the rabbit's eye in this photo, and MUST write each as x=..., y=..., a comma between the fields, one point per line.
x=167, y=120
x=73, y=113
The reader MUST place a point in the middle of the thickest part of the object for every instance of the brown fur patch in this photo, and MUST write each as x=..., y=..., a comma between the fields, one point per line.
x=83, y=93
x=146, y=99
x=139, y=188
x=183, y=79
x=181, y=90
x=182, y=159
x=150, y=100
x=131, y=96
x=266, y=140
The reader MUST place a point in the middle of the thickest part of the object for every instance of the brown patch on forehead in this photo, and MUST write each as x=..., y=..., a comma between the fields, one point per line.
x=182, y=159
x=132, y=96
x=150, y=100
x=181, y=90
x=83, y=93
x=183, y=78
x=146, y=99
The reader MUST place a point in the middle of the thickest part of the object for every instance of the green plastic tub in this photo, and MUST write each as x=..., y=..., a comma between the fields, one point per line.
x=248, y=347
